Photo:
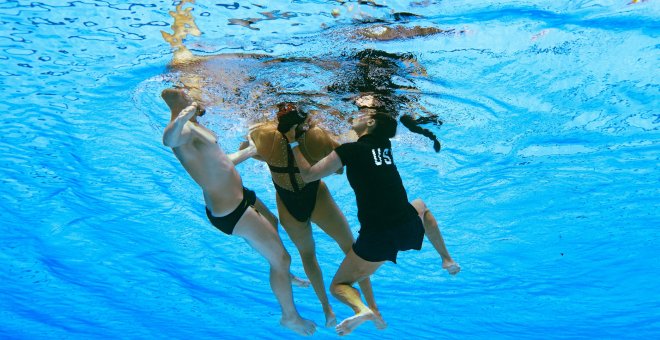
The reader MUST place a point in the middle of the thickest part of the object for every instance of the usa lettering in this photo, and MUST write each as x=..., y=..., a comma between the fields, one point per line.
x=382, y=156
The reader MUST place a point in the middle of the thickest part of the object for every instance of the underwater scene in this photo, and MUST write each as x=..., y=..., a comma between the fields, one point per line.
x=530, y=130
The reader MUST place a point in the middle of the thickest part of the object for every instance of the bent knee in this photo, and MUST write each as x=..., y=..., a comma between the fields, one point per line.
x=340, y=283
x=335, y=288
x=346, y=248
x=282, y=260
x=285, y=258
x=420, y=206
x=340, y=289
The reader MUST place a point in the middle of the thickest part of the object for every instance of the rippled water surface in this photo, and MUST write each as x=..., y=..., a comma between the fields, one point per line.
x=546, y=187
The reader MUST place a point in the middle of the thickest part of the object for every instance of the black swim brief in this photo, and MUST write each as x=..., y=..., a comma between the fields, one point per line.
x=299, y=203
x=381, y=244
x=227, y=223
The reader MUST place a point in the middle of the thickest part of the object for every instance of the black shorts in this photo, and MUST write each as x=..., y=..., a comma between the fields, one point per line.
x=383, y=243
x=227, y=223
x=300, y=203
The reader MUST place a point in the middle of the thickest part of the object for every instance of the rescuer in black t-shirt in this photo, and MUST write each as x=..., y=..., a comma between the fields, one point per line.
x=389, y=223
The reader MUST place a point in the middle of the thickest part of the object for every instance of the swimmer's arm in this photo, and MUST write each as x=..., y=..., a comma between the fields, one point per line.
x=256, y=155
x=334, y=144
x=328, y=144
x=243, y=153
x=323, y=168
x=263, y=136
x=177, y=133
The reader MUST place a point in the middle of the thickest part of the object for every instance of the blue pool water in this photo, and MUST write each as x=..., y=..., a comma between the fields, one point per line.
x=547, y=187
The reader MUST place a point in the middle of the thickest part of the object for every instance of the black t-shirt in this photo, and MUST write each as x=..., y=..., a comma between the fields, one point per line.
x=381, y=198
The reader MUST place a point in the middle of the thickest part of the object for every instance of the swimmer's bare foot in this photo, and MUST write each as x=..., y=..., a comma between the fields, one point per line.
x=298, y=282
x=350, y=324
x=452, y=267
x=378, y=320
x=330, y=317
x=299, y=325
x=176, y=99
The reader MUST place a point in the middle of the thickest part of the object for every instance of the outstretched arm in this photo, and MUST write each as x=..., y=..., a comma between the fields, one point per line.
x=261, y=135
x=319, y=143
x=325, y=167
x=244, y=153
x=176, y=133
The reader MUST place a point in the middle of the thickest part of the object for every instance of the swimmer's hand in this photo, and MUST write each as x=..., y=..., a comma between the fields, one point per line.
x=251, y=147
x=297, y=131
x=302, y=128
x=291, y=134
x=244, y=152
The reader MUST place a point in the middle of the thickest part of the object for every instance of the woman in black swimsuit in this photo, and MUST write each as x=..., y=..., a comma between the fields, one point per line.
x=300, y=203
x=389, y=223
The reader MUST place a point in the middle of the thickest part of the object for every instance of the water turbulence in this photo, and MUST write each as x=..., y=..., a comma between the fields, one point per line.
x=249, y=85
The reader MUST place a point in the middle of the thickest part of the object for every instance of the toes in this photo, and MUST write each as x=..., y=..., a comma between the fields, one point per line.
x=453, y=269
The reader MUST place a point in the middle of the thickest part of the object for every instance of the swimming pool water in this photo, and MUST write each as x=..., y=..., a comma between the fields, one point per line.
x=546, y=187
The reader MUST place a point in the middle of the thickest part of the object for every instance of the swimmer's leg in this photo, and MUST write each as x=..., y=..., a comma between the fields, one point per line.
x=332, y=221
x=176, y=100
x=272, y=219
x=301, y=235
x=183, y=25
x=433, y=234
x=352, y=269
x=264, y=239
x=265, y=212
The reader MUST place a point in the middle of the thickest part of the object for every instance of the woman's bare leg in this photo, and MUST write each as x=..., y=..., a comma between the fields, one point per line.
x=352, y=269
x=258, y=232
x=265, y=212
x=332, y=221
x=272, y=219
x=301, y=235
x=433, y=234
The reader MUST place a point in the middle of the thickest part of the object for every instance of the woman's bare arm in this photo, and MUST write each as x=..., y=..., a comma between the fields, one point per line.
x=244, y=153
x=325, y=167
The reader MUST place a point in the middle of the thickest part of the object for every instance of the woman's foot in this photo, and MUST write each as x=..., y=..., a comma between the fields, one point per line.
x=330, y=317
x=378, y=320
x=298, y=282
x=299, y=325
x=452, y=267
x=350, y=324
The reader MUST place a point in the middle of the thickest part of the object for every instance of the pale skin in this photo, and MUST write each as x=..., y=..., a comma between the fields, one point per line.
x=196, y=148
x=353, y=268
x=326, y=214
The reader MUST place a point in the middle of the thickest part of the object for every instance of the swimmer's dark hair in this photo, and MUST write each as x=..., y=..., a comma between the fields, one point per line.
x=386, y=128
x=413, y=125
x=385, y=125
